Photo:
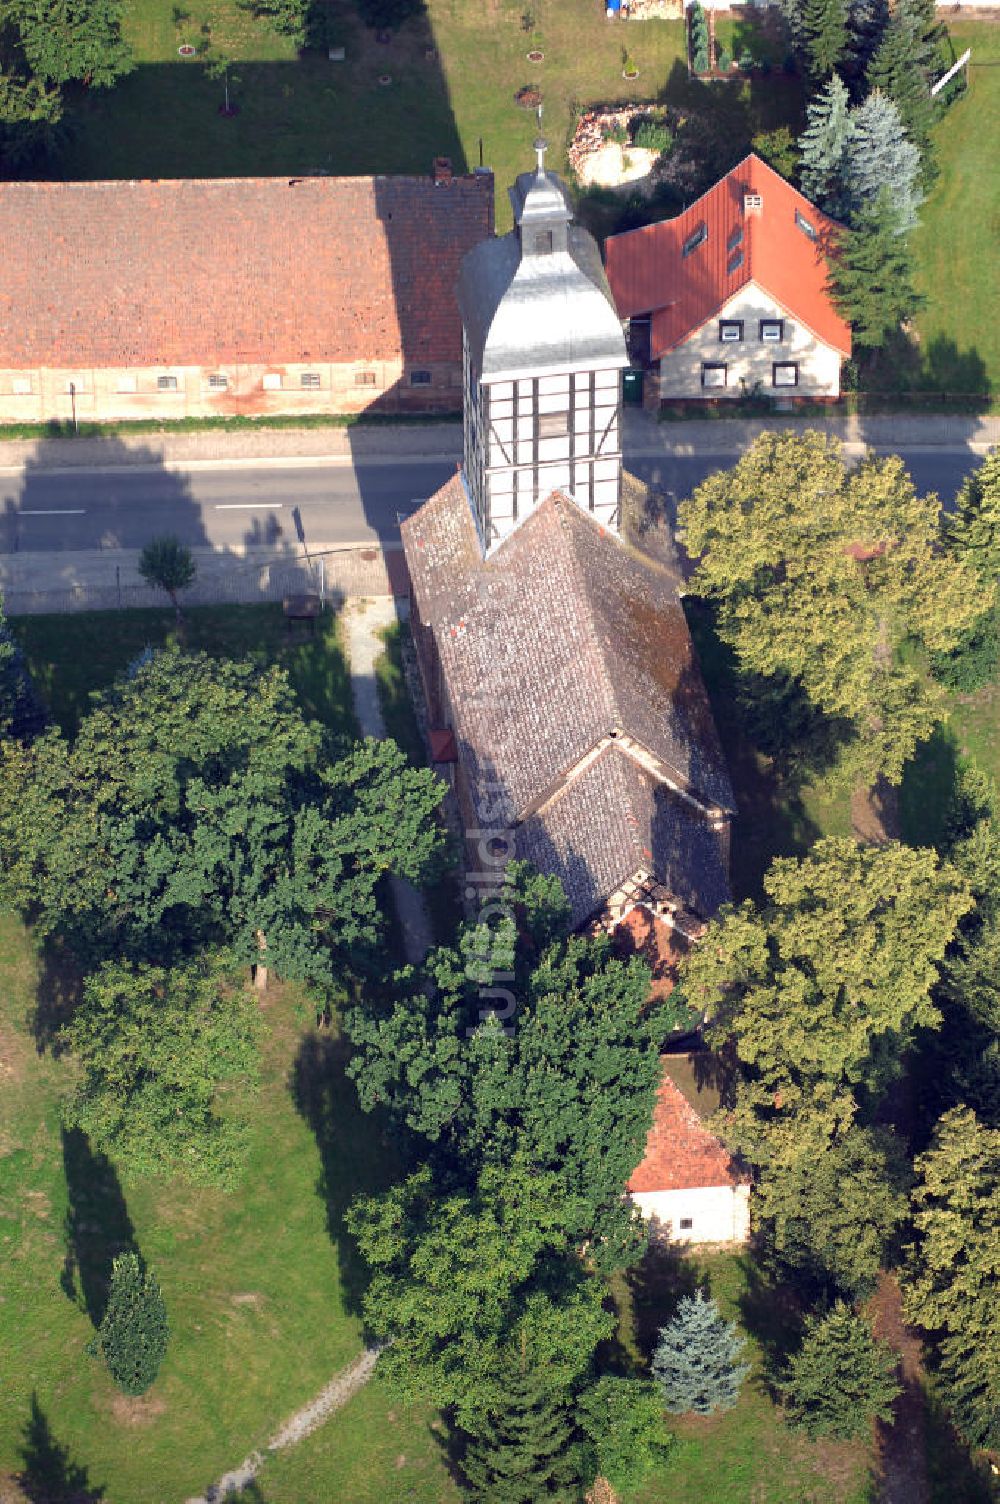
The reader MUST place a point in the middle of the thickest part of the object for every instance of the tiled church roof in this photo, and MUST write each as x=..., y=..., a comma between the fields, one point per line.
x=230, y=270
x=559, y=644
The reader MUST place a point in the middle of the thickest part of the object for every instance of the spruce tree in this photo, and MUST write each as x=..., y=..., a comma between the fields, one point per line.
x=696, y=1359
x=134, y=1332
x=824, y=146
x=870, y=274
x=840, y=1378
x=903, y=69
x=824, y=27
x=529, y=1449
x=881, y=156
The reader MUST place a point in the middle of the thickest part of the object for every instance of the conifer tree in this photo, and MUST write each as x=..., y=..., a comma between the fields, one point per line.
x=824, y=28
x=903, y=69
x=133, y=1334
x=823, y=147
x=696, y=1359
x=870, y=277
x=840, y=1378
x=972, y=530
x=881, y=157
x=528, y=1450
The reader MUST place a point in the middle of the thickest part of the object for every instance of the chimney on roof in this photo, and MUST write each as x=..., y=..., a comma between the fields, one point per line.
x=753, y=203
x=441, y=172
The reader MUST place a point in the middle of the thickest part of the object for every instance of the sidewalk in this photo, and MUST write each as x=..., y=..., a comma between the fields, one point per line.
x=643, y=432
x=107, y=580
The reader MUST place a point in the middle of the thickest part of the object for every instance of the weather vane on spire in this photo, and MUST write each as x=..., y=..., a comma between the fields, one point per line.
x=541, y=145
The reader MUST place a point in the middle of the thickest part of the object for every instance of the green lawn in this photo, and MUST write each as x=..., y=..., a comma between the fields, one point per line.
x=454, y=73
x=262, y=1302
x=71, y=656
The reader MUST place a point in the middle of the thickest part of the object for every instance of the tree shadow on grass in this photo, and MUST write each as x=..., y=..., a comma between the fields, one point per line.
x=772, y=1315
x=97, y=1226
x=57, y=995
x=49, y=1475
x=359, y=1152
x=656, y=1286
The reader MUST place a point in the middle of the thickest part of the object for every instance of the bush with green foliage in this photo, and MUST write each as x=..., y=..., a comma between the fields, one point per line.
x=841, y=1377
x=652, y=135
x=133, y=1334
x=155, y=1048
x=696, y=1361
x=723, y=60
x=973, y=662
x=623, y=1421
x=778, y=148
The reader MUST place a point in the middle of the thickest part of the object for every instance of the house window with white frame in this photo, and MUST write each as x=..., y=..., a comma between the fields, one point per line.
x=785, y=373
x=730, y=331
x=714, y=374
x=309, y=379
x=772, y=331
x=166, y=383
x=218, y=382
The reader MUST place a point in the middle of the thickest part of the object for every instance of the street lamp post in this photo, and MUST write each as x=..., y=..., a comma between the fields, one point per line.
x=72, y=398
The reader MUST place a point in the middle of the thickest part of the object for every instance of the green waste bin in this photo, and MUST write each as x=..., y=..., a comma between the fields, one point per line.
x=632, y=388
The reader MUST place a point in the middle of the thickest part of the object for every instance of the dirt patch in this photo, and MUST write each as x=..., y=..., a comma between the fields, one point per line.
x=875, y=813
x=612, y=165
x=902, y=1457
x=137, y=1410
x=248, y=1298
x=38, y=1204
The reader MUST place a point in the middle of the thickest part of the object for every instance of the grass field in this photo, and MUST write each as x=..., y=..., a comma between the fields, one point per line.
x=954, y=249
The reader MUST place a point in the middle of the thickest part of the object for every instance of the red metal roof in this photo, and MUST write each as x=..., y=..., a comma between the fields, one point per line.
x=649, y=274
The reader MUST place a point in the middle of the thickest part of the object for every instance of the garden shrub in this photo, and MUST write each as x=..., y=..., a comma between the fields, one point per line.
x=973, y=662
x=134, y=1332
x=652, y=135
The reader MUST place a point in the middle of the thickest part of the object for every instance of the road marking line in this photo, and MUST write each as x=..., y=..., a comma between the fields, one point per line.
x=52, y=511
x=249, y=506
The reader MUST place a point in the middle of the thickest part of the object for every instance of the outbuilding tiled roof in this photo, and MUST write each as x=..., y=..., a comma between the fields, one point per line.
x=229, y=270
x=571, y=678
x=777, y=245
x=681, y=1152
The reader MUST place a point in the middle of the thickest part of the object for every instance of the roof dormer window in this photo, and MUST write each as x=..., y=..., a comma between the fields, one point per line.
x=695, y=239
x=753, y=203
x=805, y=226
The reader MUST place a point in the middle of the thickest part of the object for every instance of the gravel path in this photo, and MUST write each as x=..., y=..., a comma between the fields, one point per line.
x=335, y=1394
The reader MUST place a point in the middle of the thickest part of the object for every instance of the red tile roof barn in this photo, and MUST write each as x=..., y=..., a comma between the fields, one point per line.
x=229, y=270
x=649, y=273
x=681, y=1153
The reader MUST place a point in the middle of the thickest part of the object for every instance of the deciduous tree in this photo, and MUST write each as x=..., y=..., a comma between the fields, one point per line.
x=820, y=992
x=167, y=564
x=950, y=1283
x=197, y=806
x=822, y=576
x=696, y=1359
x=841, y=1378
x=623, y=1420
x=460, y=1280
x=155, y=1049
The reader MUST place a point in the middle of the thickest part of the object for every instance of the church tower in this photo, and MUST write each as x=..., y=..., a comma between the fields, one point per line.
x=543, y=351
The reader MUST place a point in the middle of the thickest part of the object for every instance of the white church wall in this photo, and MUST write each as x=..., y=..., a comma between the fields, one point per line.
x=717, y=1214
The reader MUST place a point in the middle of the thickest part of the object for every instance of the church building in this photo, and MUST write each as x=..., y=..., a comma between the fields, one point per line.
x=565, y=698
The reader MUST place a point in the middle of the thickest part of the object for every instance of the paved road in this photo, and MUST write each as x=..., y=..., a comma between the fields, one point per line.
x=253, y=503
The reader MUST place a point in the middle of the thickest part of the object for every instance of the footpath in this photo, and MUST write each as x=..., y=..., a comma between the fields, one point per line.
x=106, y=579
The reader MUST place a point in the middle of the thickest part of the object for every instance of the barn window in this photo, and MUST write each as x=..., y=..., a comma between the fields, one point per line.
x=309, y=378
x=218, y=383
x=166, y=383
